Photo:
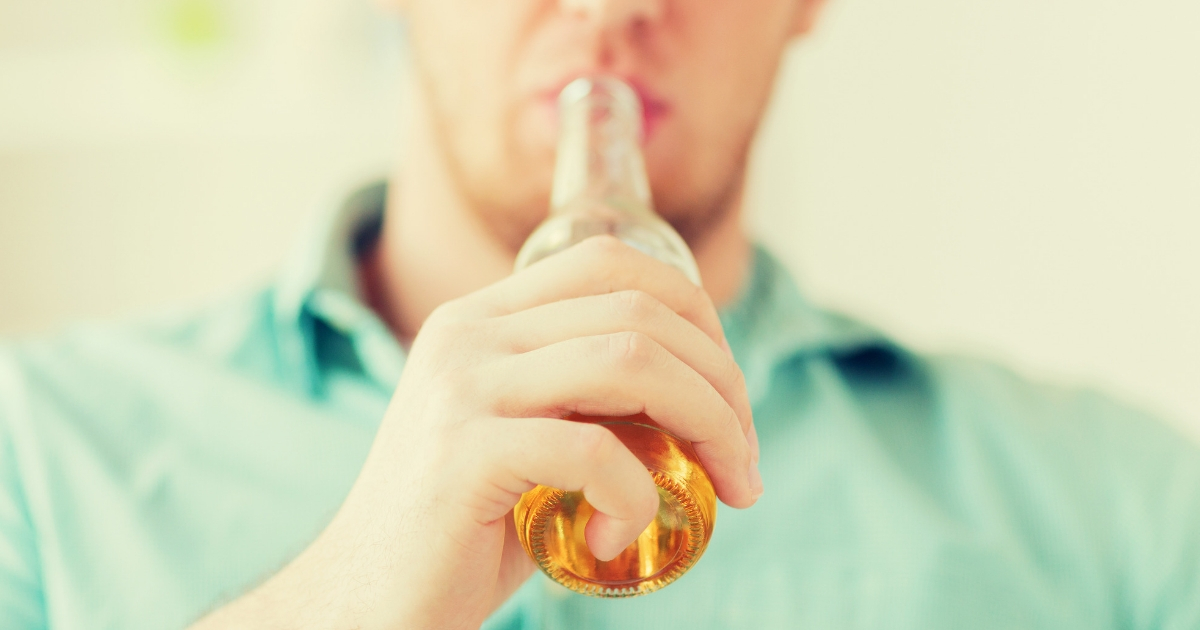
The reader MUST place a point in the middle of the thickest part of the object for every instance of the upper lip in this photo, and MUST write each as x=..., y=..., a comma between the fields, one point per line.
x=652, y=102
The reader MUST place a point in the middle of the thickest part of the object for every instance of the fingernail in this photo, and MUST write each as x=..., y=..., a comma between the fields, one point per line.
x=756, y=483
x=725, y=344
x=754, y=450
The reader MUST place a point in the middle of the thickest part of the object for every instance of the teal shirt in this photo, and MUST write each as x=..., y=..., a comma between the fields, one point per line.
x=150, y=472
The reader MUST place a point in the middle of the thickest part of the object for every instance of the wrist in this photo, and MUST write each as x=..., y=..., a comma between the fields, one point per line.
x=315, y=590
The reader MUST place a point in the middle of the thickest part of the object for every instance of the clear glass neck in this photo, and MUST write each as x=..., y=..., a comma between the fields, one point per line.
x=600, y=181
x=599, y=152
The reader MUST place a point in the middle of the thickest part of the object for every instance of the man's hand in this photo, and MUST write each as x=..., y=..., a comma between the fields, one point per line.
x=425, y=538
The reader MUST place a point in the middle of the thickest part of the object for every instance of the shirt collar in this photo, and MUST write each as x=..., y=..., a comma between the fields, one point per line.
x=771, y=324
x=768, y=324
x=319, y=294
x=326, y=257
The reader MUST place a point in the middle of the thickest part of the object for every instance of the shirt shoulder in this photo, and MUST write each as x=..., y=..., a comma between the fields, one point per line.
x=149, y=466
x=103, y=359
x=106, y=390
x=969, y=396
x=1065, y=419
x=1081, y=473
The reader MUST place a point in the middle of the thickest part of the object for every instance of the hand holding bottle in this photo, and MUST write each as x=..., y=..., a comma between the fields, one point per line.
x=425, y=538
x=601, y=329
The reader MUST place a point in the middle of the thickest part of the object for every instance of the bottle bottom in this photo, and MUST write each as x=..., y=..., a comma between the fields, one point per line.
x=551, y=522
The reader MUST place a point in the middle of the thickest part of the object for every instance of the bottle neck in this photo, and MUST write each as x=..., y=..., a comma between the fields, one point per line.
x=599, y=153
x=600, y=182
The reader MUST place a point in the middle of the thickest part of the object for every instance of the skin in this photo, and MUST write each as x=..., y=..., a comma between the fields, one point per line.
x=425, y=536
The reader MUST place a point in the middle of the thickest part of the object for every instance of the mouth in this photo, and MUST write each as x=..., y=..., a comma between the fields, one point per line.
x=655, y=108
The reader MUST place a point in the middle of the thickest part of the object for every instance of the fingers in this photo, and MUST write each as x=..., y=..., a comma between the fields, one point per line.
x=630, y=311
x=515, y=454
x=626, y=373
x=599, y=265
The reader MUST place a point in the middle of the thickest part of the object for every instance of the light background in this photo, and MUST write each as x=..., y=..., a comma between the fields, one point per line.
x=1018, y=180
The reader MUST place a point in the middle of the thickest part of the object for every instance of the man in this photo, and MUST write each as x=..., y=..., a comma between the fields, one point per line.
x=343, y=449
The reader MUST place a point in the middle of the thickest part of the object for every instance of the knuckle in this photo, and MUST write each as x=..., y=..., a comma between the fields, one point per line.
x=452, y=323
x=596, y=443
x=736, y=445
x=734, y=425
x=605, y=245
x=698, y=300
x=734, y=375
x=745, y=457
x=456, y=388
x=606, y=255
x=632, y=305
x=443, y=328
x=445, y=313
x=631, y=351
x=443, y=334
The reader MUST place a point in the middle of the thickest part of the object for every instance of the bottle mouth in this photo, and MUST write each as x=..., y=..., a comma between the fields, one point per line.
x=599, y=152
x=603, y=99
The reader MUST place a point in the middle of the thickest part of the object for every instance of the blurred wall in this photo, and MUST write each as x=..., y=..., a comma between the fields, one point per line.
x=1019, y=180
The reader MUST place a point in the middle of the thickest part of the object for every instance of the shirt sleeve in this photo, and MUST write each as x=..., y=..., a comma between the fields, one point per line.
x=21, y=601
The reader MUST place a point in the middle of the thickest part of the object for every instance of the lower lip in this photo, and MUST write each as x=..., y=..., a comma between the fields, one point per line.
x=654, y=114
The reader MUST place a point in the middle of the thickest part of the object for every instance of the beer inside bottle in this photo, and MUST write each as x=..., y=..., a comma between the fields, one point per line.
x=601, y=187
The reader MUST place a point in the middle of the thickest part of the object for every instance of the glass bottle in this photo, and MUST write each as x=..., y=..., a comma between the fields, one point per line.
x=601, y=187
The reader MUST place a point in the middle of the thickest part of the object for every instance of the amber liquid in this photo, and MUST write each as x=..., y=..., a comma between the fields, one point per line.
x=550, y=522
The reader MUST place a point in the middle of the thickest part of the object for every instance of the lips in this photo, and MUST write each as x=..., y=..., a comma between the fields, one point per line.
x=655, y=108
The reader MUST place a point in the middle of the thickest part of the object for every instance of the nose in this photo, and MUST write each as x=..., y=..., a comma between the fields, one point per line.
x=615, y=13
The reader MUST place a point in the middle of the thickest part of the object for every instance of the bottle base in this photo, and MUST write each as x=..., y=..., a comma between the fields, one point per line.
x=550, y=523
